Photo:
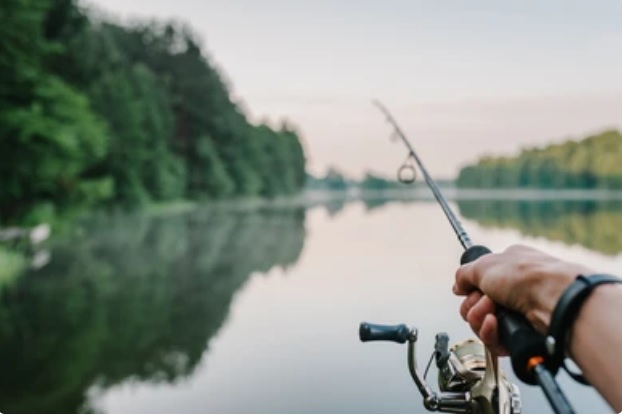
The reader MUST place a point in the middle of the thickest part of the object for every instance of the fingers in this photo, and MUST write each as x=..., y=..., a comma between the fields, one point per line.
x=478, y=312
x=489, y=334
x=469, y=302
x=465, y=280
x=488, y=331
x=484, y=275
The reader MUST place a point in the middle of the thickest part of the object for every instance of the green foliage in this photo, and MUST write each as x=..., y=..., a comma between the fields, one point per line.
x=48, y=134
x=209, y=177
x=376, y=182
x=94, y=111
x=47, y=147
x=21, y=48
x=332, y=180
x=595, y=162
x=335, y=180
x=12, y=264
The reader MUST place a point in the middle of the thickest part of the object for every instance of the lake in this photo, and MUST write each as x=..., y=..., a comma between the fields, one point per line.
x=256, y=309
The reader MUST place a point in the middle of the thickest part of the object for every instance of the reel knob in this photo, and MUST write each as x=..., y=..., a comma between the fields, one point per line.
x=377, y=332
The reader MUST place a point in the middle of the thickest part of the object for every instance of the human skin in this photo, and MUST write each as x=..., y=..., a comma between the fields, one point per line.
x=531, y=282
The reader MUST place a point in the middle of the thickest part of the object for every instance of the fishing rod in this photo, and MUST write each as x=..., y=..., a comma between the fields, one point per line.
x=469, y=379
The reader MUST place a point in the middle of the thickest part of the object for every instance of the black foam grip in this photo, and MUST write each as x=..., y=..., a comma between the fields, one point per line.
x=515, y=332
x=377, y=332
x=522, y=341
x=473, y=253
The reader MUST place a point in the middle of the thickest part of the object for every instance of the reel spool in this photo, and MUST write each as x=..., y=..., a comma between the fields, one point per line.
x=468, y=361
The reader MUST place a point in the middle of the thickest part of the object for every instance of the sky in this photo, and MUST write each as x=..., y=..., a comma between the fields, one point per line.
x=463, y=78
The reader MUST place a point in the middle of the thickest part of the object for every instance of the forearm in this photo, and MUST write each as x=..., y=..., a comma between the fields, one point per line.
x=596, y=342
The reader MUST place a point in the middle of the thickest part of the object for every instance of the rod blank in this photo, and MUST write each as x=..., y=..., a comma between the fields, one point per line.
x=463, y=237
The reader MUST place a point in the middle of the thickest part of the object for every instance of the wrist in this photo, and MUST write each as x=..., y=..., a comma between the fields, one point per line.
x=575, y=299
x=595, y=309
x=548, y=285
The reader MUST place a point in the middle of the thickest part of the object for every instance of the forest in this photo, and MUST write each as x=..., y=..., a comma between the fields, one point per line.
x=95, y=113
x=592, y=163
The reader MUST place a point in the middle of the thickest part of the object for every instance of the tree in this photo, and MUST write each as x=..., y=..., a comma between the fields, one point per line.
x=49, y=135
x=129, y=114
x=595, y=162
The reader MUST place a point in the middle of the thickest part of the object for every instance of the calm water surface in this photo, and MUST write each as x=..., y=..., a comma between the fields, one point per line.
x=257, y=310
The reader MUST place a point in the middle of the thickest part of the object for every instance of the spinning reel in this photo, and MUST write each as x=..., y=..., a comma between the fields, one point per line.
x=469, y=380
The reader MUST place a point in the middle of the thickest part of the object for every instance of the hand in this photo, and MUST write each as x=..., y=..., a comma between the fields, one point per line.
x=521, y=279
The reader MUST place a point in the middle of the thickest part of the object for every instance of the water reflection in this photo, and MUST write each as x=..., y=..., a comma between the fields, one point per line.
x=121, y=318
x=377, y=203
x=131, y=297
x=594, y=224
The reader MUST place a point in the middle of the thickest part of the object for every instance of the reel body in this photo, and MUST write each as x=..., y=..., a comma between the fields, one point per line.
x=469, y=381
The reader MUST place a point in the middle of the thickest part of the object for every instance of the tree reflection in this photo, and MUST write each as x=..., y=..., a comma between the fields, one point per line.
x=372, y=204
x=130, y=297
x=593, y=224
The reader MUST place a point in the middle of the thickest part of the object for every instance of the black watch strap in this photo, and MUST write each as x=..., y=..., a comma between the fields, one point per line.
x=564, y=315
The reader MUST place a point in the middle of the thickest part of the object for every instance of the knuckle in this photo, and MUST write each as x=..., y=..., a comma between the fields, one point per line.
x=516, y=248
x=483, y=263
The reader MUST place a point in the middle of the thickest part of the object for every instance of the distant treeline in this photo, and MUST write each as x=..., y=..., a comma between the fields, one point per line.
x=336, y=180
x=593, y=163
x=94, y=112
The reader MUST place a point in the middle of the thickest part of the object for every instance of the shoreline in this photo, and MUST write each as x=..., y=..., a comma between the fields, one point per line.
x=313, y=198
x=453, y=193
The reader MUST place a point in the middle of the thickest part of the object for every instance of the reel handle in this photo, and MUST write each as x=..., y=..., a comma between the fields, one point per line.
x=377, y=332
x=515, y=332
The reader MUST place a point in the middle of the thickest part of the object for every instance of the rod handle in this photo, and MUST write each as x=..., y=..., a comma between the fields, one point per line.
x=473, y=253
x=515, y=332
